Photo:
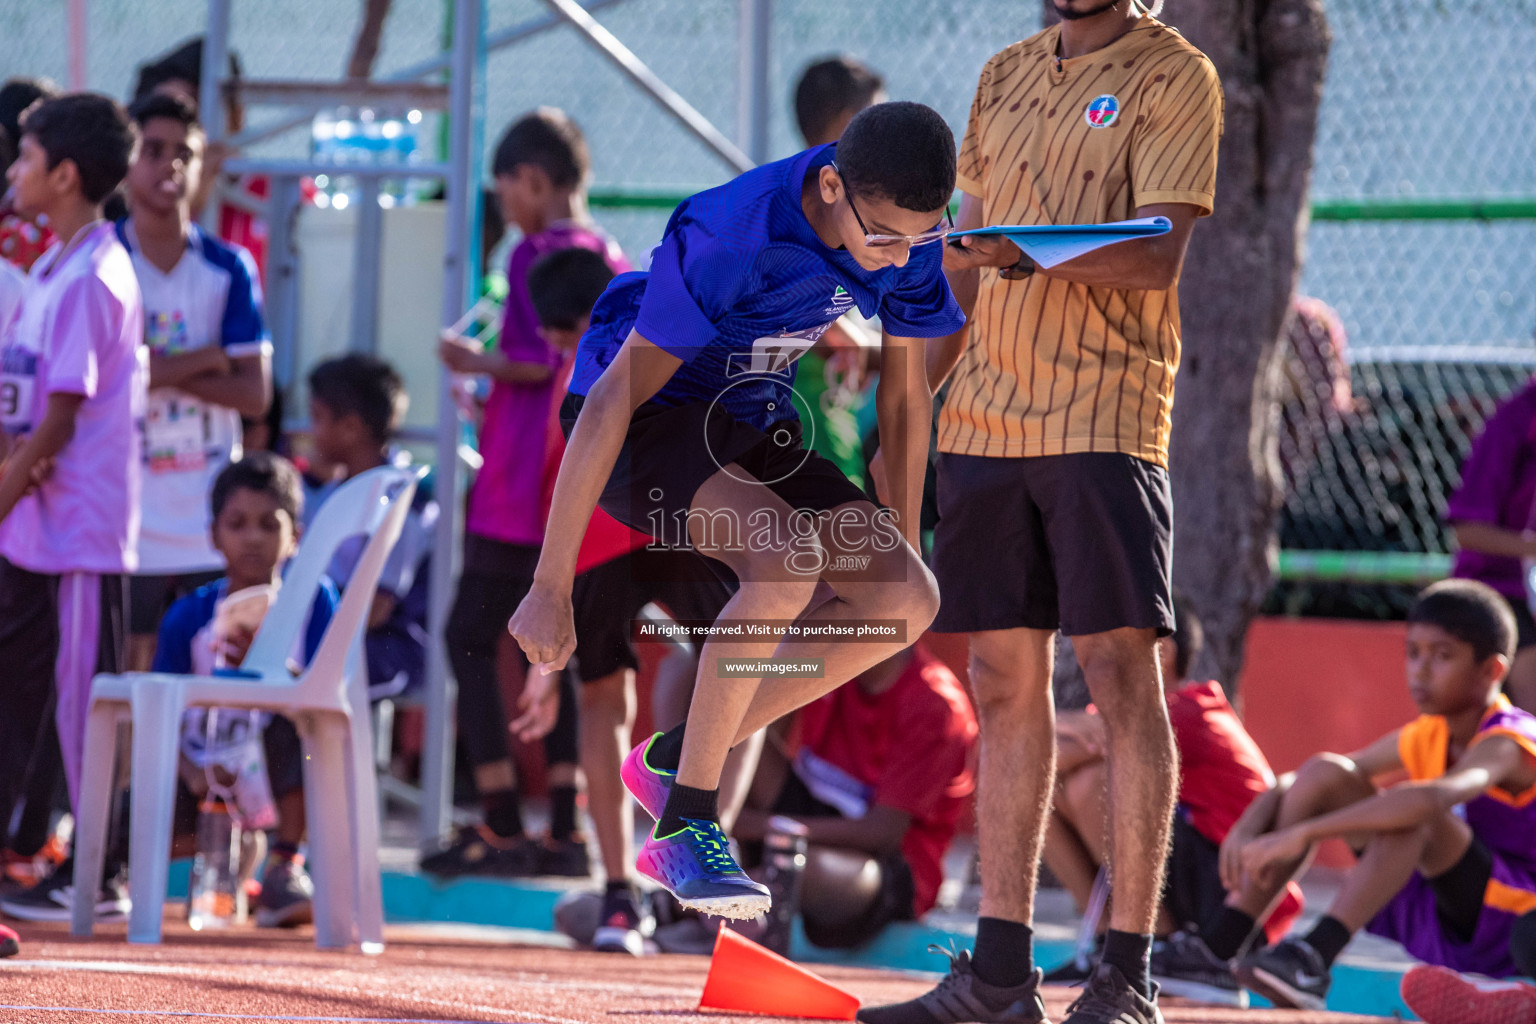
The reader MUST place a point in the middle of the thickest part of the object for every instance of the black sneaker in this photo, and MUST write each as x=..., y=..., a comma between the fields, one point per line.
x=962, y=996
x=1109, y=999
x=1183, y=965
x=1290, y=974
x=53, y=898
x=478, y=851
x=565, y=857
x=10, y=942
x=287, y=897
x=623, y=924
x=1075, y=971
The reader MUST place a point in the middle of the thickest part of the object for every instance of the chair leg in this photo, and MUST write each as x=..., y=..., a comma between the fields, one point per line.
x=363, y=795
x=90, y=843
x=157, y=710
x=332, y=851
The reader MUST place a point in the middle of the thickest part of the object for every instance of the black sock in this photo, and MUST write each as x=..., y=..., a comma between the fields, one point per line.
x=1005, y=952
x=1228, y=933
x=666, y=751
x=562, y=812
x=286, y=851
x=1522, y=944
x=1328, y=937
x=618, y=885
x=1131, y=955
x=687, y=802
x=503, y=812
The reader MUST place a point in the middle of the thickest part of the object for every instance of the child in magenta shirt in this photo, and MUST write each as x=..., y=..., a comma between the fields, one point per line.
x=72, y=390
x=540, y=167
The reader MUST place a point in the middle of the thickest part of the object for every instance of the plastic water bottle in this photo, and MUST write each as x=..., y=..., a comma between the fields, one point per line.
x=784, y=866
x=218, y=897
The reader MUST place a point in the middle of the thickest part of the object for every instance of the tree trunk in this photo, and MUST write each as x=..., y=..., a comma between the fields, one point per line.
x=1235, y=298
x=365, y=48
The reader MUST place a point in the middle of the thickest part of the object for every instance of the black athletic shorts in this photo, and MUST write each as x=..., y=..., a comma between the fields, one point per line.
x=671, y=450
x=1082, y=543
x=1192, y=889
x=607, y=598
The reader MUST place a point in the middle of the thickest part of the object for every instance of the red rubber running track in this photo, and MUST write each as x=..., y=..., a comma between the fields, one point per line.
x=247, y=977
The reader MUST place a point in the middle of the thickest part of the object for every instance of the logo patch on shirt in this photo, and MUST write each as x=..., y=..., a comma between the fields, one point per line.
x=842, y=302
x=1102, y=112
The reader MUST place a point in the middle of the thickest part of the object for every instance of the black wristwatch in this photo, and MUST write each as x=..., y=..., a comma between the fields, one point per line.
x=1020, y=270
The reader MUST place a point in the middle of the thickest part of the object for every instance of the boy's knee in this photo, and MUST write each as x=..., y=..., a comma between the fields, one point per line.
x=1326, y=772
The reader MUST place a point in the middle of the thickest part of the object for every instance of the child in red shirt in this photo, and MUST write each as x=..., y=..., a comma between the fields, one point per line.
x=879, y=779
x=1221, y=771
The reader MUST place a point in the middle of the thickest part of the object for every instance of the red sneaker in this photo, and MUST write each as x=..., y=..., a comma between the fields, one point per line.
x=1441, y=996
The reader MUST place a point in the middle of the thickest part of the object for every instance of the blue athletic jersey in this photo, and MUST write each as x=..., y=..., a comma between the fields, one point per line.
x=741, y=286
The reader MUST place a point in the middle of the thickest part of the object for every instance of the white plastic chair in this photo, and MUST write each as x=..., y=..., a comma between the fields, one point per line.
x=328, y=704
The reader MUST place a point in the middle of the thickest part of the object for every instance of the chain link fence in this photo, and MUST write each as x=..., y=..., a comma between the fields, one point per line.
x=1424, y=190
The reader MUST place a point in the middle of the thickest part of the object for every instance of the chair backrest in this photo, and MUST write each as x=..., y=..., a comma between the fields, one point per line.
x=374, y=503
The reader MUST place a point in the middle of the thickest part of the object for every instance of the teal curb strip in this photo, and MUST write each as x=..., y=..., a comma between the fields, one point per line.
x=902, y=946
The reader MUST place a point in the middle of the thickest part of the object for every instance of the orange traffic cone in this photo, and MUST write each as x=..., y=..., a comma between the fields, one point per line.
x=745, y=977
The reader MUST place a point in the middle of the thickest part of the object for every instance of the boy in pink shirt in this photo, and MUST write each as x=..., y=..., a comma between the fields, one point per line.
x=72, y=387
x=540, y=168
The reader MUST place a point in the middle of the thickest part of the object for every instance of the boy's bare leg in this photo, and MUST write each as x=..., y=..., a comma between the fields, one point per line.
x=1325, y=783
x=896, y=585
x=1390, y=859
x=1121, y=668
x=607, y=715
x=771, y=589
x=1074, y=835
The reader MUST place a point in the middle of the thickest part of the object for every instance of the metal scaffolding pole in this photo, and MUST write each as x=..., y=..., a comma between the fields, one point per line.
x=210, y=94
x=639, y=73
x=441, y=693
x=504, y=37
x=755, y=26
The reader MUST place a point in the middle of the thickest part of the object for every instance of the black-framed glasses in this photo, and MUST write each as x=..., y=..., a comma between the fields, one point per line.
x=875, y=241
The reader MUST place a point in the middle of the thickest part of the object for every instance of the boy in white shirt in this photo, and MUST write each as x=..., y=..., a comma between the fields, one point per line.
x=210, y=362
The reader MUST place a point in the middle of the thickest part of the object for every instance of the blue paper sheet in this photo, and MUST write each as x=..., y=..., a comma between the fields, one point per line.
x=1050, y=244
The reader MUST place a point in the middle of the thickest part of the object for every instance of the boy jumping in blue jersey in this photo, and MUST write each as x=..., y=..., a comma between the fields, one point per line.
x=683, y=423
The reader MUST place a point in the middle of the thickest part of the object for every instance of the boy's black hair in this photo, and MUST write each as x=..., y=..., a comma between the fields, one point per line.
x=1472, y=612
x=266, y=473
x=184, y=63
x=16, y=95
x=828, y=88
x=7, y=149
x=900, y=151
x=1188, y=635
x=89, y=129
x=363, y=385
x=548, y=139
x=164, y=105
x=565, y=285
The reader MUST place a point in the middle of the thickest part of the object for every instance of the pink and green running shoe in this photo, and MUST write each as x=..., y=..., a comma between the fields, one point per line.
x=649, y=785
x=695, y=865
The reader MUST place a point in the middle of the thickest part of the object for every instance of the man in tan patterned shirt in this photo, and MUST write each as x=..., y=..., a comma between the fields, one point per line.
x=1054, y=502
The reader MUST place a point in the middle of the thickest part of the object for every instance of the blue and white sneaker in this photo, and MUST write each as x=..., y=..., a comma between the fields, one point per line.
x=695, y=865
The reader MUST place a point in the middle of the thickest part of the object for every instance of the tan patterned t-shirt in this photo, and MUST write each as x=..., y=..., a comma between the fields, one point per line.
x=1052, y=367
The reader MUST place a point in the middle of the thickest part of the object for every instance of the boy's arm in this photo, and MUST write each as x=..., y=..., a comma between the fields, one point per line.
x=543, y=623
x=244, y=386
x=965, y=284
x=465, y=358
x=904, y=408
x=1379, y=758
x=50, y=437
x=1490, y=763
x=175, y=369
x=879, y=830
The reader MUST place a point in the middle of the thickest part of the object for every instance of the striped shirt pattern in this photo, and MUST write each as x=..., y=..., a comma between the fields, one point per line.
x=1052, y=367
